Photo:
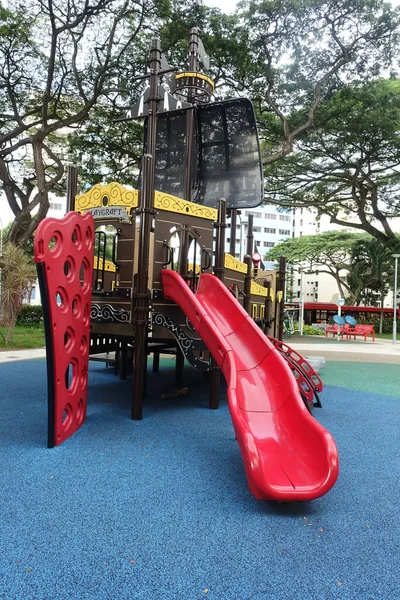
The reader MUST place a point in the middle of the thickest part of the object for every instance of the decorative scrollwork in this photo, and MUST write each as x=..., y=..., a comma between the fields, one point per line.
x=112, y=194
x=174, y=204
x=232, y=263
x=186, y=343
x=105, y=313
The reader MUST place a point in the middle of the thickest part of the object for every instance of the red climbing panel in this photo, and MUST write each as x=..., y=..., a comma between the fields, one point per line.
x=63, y=250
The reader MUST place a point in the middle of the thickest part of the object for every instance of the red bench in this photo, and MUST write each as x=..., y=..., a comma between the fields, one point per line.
x=363, y=330
x=333, y=329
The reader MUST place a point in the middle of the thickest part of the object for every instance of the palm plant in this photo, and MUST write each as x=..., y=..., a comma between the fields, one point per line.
x=17, y=274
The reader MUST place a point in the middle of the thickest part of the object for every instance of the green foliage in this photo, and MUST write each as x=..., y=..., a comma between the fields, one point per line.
x=387, y=324
x=371, y=271
x=347, y=166
x=309, y=330
x=30, y=315
x=17, y=274
x=360, y=264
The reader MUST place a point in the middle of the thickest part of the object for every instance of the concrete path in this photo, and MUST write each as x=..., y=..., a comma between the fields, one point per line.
x=380, y=351
x=13, y=355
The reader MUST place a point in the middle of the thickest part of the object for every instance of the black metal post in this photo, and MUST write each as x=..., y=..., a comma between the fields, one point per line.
x=267, y=308
x=145, y=211
x=72, y=187
x=248, y=262
x=193, y=52
x=219, y=270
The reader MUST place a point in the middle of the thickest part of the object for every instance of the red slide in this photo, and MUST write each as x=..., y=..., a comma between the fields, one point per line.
x=287, y=454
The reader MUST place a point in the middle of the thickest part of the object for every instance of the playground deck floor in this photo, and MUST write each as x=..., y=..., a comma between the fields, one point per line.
x=159, y=509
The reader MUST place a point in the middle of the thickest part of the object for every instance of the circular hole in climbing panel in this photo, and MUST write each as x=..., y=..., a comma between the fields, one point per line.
x=89, y=238
x=80, y=413
x=84, y=377
x=67, y=416
x=69, y=338
x=83, y=346
x=69, y=268
x=86, y=315
x=61, y=299
x=55, y=243
x=76, y=237
x=71, y=376
x=76, y=307
x=84, y=276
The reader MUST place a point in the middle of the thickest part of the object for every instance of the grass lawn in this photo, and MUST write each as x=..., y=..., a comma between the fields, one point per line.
x=24, y=337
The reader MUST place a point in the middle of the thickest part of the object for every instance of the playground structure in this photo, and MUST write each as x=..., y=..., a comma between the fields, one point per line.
x=145, y=271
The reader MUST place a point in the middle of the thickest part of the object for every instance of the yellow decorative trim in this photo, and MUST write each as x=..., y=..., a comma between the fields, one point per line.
x=254, y=311
x=258, y=290
x=115, y=193
x=279, y=296
x=109, y=266
x=272, y=294
x=232, y=263
x=173, y=204
x=197, y=75
x=190, y=268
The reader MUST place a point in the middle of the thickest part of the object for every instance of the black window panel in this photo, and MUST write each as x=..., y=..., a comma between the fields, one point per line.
x=226, y=160
x=170, y=153
x=169, y=175
x=229, y=164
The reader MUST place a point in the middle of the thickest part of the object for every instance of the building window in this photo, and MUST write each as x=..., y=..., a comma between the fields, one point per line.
x=257, y=229
x=284, y=232
x=298, y=294
x=270, y=216
x=56, y=205
x=269, y=230
x=269, y=244
x=284, y=217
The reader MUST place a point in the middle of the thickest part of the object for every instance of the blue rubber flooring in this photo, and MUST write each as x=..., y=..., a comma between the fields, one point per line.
x=159, y=509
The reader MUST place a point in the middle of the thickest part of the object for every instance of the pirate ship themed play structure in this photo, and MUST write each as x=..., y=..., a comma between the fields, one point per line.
x=143, y=272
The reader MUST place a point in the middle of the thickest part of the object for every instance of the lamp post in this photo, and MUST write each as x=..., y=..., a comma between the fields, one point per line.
x=396, y=257
x=301, y=316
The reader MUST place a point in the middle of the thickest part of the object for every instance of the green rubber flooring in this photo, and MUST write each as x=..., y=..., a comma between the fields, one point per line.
x=376, y=378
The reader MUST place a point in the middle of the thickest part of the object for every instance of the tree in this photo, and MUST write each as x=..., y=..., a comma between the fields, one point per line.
x=330, y=252
x=348, y=166
x=287, y=56
x=58, y=59
x=300, y=52
x=371, y=271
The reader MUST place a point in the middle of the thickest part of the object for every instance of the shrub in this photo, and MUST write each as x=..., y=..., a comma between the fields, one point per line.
x=30, y=315
x=309, y=330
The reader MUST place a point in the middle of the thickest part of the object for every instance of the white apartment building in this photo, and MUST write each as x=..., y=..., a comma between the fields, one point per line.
x=269, y=228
